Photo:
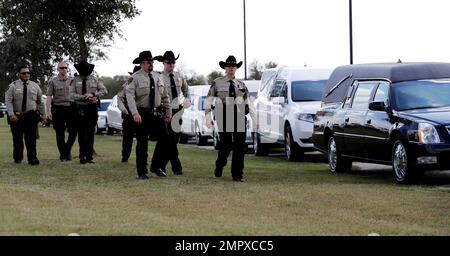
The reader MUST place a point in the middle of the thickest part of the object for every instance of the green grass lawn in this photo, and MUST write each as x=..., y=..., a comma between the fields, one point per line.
x=279, y=197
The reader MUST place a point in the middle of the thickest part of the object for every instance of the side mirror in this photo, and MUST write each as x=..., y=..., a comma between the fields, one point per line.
x=278, y=100
x=378, y=106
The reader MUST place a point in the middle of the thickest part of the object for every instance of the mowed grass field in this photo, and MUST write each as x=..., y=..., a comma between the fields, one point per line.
x=279, y=197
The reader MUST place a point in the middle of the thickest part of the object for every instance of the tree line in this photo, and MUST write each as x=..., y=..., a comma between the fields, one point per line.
x=40, y=33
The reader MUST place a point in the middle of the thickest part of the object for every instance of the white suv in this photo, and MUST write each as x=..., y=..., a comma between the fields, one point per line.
x=288, y=99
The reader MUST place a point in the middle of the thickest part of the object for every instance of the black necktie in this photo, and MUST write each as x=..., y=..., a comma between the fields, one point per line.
x=232, y=91
x=24, y=100
x=173, y=86
x=152, y=93
x=83, y=89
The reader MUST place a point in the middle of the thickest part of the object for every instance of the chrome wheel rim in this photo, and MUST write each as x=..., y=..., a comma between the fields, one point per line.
x=332, y=155
x=400, y=161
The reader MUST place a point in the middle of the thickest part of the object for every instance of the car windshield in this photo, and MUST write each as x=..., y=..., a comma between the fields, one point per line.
x=422, y=94
x=308, y=90
x=104, y=106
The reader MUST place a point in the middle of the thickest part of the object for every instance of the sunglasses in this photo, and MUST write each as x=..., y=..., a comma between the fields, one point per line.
x=25, y=73
x=62, y=67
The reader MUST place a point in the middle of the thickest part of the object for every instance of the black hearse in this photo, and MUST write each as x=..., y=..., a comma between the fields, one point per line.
x=393, y=113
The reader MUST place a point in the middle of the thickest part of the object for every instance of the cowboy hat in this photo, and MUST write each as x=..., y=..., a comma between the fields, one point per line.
x=231, y=61
x=135, y=69
x=168, y=56
x=84, y=68
x=143, y=56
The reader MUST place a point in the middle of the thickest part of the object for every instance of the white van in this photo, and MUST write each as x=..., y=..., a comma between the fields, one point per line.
x=194, y=124
x=288, y=99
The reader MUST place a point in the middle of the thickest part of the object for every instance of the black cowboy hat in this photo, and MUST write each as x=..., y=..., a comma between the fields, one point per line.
x=231, y=61
x=168, y=56
x=143, y=56
x=84, y=68
x=135, y=69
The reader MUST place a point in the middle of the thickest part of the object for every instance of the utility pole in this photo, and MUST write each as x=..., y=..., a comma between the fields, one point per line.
x=245, y=45
x=350, y=14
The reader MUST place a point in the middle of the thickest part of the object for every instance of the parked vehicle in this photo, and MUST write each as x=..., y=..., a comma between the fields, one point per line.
x=194, y=124
x=397, y=114
x=114, y=117
x=102, y=121
x=287, y=101
x=3, y=109
x=252, y=86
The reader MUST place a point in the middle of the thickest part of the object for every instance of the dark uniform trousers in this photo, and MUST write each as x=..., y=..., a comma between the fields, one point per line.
x=231, y=140
x=172, y=149
x=87, y=120
x=128, y=131
x=155, y=127
x=25, y=128
x=64, y=117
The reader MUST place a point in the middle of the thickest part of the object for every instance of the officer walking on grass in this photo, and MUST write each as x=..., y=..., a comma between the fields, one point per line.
x=128, y=126
x=149, y=105
x=25, y=109
x=86, y=91
x=179, y=98
x=62, y=111
x=229, y=97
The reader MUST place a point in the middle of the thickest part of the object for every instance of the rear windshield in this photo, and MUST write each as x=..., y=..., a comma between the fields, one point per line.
x=422, y=94
x=308, y=90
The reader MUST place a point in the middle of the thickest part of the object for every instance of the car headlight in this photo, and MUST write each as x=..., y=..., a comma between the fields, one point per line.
x=428, y=134
x=306, y=117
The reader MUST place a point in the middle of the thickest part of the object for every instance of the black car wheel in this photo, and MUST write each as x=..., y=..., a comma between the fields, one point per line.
x=292, y=150
x=405, y=171
x=258, y=148
x=199, y=140
x=336, y=161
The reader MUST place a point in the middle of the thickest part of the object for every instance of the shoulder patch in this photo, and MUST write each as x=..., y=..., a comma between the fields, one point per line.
x=130, y=79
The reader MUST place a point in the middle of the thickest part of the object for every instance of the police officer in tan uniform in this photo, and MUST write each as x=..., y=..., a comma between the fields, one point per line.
x=25, y=109
x=149, y=105
x=179, y=97
x=86, y=91
x=128, y=126
x=229, y=97
x=61, y=110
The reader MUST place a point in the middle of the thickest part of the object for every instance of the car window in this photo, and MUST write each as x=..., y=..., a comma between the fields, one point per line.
x=382, y=94
x=421, y=94
x=362, y=95
x=351, y=90
x=104, y=106
x=308, y=90
x=201, y=105
x=277, y=89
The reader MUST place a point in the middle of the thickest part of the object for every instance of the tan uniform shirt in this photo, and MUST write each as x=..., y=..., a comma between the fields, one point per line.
x=138, y=92
x=219, y=92
x=93, y=85
x=181, y=86
x=59, y=89
x=14, y=98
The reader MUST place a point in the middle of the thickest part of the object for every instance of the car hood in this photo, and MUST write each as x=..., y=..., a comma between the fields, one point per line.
x=439, y=116
x=309, y=107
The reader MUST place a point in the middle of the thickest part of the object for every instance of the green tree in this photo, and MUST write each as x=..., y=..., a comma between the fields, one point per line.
x=271, y=64
x=113, y=84
x=40, y=32
x=213, y=75
x=255, y=70
x=196, y=80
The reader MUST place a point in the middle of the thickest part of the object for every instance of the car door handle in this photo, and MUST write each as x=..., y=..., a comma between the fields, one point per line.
x=347, y=119
x=369, y=121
